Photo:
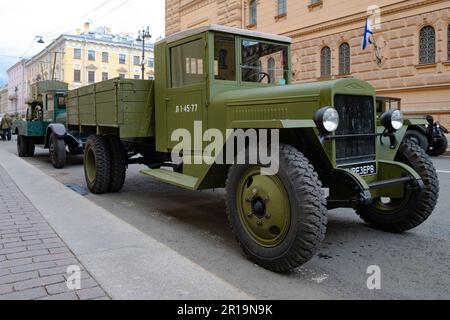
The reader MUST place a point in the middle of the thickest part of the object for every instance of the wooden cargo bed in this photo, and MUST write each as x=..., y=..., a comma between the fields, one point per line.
x=124, y=106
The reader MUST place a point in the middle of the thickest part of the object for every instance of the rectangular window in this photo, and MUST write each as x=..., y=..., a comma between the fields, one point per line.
x=91, y=55
x=151, y=63
x=122, y=58
x=282, y=7
x=105, y=57
x=121, y=76
x=259, y=56
x=77, y=54
x=253, y=12
x=137, y=60
x=137, y=77
x=77, y=76
x=104, y=76
x=187, y=63
x=224, y=57
x=91, y=76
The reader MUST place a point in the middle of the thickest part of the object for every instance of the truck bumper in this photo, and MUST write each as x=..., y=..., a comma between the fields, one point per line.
x=349, y=190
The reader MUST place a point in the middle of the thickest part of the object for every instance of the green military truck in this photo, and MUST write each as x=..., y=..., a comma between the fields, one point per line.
x=45, y=124
x=334, y=152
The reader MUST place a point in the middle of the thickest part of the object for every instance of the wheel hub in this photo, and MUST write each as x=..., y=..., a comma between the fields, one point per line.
x=264, y=208
x=259, y=207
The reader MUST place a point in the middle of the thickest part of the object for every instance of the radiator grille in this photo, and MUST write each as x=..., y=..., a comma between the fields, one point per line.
x=356, y=117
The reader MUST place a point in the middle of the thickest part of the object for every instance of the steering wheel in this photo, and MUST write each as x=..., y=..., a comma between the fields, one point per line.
x=265, y=74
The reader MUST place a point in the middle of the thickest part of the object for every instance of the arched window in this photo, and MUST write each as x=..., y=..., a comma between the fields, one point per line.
x=344, y=58
x=253, y=12
x=271, y=69
x=427, y=45
x=325, y=62
x=282, y=7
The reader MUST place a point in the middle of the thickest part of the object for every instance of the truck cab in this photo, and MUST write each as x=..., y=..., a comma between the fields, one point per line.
x=45, y=123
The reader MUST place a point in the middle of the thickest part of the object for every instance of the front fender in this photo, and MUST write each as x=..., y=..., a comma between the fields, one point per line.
x=58, y=129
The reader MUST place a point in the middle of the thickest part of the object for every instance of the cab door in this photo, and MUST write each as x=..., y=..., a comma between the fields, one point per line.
x=186, y=95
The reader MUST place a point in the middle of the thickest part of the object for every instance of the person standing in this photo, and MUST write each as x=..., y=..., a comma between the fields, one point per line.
x=5, y=126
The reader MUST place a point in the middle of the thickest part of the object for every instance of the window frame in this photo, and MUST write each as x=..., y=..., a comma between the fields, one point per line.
x=322, y=64
x=257, y=84
x=89, y=77
x=138, y=59
x=170, y=68
x=103, y=76
x=236, y=58
x=75, y=56
x=427, y=59
x=92, y=53
x=282, y=7
x=253, y=13
x=124, y=60
x=74, y=77
x=107, y=57
x=348, y=61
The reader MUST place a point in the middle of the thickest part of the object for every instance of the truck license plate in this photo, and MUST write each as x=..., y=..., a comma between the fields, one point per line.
x=363, y=169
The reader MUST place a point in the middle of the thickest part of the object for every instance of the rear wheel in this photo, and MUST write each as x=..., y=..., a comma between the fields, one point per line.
x=22, y=146
x=439, y=147
x=402, y=214
x=57, y=148
x=97, y=164
x=118, y=163
x=280, y=220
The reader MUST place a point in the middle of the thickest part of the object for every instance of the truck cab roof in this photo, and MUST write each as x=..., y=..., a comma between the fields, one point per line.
x=225, y=29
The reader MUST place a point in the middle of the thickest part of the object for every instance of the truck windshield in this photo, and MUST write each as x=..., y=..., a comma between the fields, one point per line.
x=264, y=62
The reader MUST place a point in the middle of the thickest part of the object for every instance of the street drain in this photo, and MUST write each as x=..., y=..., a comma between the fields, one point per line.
x=77, y=188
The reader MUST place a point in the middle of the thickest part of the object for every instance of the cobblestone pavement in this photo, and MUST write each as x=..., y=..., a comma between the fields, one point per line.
x=33, y=259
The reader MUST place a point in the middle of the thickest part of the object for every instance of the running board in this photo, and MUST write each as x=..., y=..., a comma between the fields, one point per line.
x=173, y=178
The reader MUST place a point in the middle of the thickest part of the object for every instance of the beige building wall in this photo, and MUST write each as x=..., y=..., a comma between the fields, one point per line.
x=424, y=89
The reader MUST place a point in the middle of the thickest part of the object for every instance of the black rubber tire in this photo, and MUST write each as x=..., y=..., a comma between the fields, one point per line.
x=308, y=214
x=417, y=137
x=58, y=154
x=22, y=146
x=97, y=147
x=118, y=163
x=420, y=204
x=439, y=147
x=31, y=148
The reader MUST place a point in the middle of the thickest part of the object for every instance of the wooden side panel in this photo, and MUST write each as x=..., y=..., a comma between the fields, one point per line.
x=125, y=104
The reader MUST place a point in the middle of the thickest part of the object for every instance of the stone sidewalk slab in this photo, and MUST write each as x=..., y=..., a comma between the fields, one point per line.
x=28, y=267
x=127, y=263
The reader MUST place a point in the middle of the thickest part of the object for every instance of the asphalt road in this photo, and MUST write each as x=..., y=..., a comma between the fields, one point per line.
x=414, y=265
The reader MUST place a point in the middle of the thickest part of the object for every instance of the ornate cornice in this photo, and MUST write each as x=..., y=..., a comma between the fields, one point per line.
x=361, y=17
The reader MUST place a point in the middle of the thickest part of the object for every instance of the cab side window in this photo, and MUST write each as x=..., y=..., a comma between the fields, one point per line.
x=224, y=57
x=187, y=63
x=50, y=103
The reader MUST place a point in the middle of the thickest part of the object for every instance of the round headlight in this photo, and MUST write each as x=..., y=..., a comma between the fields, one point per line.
x=392, y=120
x=327, y=119
x=397, y=120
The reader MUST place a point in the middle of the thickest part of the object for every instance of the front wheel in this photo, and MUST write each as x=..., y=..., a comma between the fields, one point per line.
x=279, y=220
x=57, y=148
x=417, y=137
x=401, y=214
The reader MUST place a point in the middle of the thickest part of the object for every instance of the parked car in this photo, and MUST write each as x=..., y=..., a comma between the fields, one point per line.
x=430, y=137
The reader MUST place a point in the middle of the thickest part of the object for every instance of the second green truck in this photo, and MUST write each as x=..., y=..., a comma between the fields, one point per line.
x=334, y=151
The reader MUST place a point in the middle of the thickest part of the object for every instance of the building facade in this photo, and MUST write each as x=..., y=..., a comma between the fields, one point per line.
x=411, y=59
x=90, y=56
x=17, y=88
x=4, y=99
